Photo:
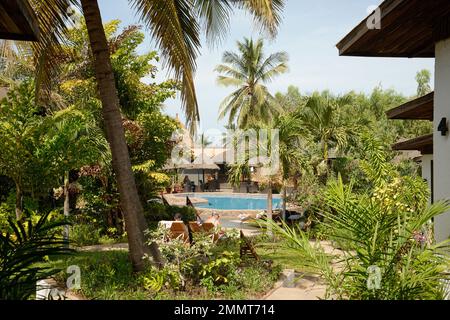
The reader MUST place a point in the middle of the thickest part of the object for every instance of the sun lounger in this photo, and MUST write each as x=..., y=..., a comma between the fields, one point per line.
x=245, y=217
x=165, y=224
x=165, y=202
x=210, y=228
x=178, y=230
x=195, y=227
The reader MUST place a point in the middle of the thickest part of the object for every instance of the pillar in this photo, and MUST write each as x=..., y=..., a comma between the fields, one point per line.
x=442, y=143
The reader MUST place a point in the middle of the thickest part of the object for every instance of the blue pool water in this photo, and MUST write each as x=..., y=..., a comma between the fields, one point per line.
x=237, y=202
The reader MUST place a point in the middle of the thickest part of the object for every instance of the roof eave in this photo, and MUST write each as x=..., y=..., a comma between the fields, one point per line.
x=361, y=30
x=29, y=28
x=424, y=144
x=409, y=29
x=403, y=112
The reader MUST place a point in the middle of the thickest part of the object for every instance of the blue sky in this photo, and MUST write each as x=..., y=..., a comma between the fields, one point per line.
x=309, y=34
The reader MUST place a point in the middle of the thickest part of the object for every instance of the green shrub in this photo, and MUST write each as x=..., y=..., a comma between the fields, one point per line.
x=388, y=252
x=203, y=262
x=257, y=277
x=185, y=259
x=108, y=275
x=98, y=204
x=105, y=275
x=84, y=235
x=5, y=213
x=157, y=212
x=21, y=252
x=7, y=210
x=168, y=277
x=220, y=270
x=318, y=232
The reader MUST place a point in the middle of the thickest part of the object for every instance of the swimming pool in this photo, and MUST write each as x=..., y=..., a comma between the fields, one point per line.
x=236, y=202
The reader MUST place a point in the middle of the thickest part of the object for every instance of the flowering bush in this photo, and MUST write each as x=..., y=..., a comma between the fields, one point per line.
x=203, y=262
x=387, y=252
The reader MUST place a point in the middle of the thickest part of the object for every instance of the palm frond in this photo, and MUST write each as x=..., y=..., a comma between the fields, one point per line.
x=22, y=251
x=249, y=71
x=173, y=26
x=214, y=17
x=54, y=20
x=267, y=13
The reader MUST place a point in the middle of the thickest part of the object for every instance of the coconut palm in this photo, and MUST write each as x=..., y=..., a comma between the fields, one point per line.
x=249, y=71
x=289, y=149
x=291, y=135
x=286, y=149
x=321, y=116
x=176, y=26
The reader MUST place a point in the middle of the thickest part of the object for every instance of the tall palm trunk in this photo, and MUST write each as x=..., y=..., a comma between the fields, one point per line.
x=269, y=208
x=19, y=209
x=66, y=204
x=115, y=134
x=284, y=199
x=325, y=149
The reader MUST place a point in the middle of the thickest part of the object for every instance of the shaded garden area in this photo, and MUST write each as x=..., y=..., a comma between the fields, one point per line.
x=85, y=138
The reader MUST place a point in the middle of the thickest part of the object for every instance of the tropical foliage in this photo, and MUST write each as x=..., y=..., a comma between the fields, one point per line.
x=176, y=28
x=83, y=132
x=385, y=237
x=60, y=150
x=22, y=253
x=329, y=125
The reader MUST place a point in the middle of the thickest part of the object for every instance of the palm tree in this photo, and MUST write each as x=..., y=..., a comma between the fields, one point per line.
x=204, y=143
x=288, y=148
x=322, y=117
x=291, y=133
x=249, y=71
x=176, y=26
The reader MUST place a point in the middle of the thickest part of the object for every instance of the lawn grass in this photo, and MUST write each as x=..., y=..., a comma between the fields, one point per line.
x=104, y=275
x=280, y=254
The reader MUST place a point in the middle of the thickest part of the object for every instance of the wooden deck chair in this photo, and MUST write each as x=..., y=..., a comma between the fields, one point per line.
x=191, y=205
x=247, y=248
x=189, y=202
x=178, y=230
x=195, y=227
x=210, y=228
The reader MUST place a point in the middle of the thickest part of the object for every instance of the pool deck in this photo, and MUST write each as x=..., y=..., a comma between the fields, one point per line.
x=228, y=218
x=179, y=199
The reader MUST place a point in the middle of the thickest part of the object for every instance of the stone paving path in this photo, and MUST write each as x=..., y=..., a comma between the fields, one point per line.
x=299, y=287
x=50, y=289
x=294, y=286
x=105, y=247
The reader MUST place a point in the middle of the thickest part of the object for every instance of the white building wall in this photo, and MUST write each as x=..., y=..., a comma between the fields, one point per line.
x=441, y=143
